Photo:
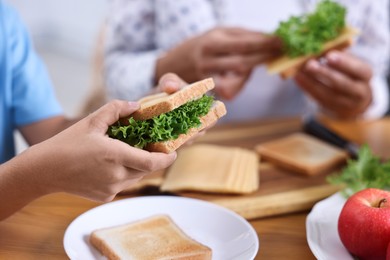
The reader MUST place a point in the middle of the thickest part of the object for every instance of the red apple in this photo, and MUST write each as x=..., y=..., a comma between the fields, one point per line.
x=364, y=224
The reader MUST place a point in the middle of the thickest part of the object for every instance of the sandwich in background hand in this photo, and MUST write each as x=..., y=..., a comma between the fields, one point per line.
x=166, y=121
x=310, y=36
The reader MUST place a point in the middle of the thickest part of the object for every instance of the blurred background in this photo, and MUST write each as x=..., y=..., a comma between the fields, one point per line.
x=64, y=34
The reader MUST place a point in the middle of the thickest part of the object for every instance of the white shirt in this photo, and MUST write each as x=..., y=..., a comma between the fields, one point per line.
x=139, y=31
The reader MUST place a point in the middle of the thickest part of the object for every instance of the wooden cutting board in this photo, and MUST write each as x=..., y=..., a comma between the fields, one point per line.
x=281, y=191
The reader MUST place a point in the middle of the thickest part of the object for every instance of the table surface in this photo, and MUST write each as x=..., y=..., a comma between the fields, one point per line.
x=36, y=232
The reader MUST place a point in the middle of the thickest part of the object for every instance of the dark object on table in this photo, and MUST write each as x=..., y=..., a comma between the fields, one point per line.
x=315, y=128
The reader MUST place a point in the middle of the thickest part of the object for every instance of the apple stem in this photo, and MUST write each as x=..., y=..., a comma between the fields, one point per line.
x=382, y=201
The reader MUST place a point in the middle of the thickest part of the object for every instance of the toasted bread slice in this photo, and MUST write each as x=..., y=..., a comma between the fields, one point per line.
x=302, y=153
x=216, y=111
x=287, y=67
x=156, y=237
x=161, y=103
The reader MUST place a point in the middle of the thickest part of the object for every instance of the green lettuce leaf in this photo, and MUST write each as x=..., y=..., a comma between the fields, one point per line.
x=365, y=172
x=164, y=127
x=306, y=34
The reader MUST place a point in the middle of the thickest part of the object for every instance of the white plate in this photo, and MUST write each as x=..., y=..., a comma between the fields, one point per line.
x=321, y=229
x=229, y=235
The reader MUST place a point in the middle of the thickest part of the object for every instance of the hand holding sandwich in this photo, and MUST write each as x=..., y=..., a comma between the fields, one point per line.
x=171, y=83
x=341, y=84
x=227, y=54
x=80, y=160
x=166, y=121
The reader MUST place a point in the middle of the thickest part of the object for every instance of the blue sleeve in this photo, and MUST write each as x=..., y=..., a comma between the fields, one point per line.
x=33, y=96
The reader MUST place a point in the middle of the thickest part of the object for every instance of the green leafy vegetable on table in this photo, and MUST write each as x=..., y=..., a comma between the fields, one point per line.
x=168, y=126
x=306, y=34
x=365, y=172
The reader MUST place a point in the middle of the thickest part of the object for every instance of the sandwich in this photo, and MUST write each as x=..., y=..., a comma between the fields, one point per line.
x=311, y=36
x=155, y=237
x=166, y=121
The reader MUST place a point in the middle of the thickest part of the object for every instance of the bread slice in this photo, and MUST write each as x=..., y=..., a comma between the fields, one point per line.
x=156, y=237
x=217, y=110
x=161, y=103
x=217, y=169
x=302, y=153
x=287, y=67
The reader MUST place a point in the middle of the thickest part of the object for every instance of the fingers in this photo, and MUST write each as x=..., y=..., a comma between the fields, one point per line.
x=334, y=90
x=228, y=85
x=339, y=81
x=327, y=97
x=349, y=65
x=110, y=113
x=130, y=182
x=171, y=83
x=108, y=194
x=236, y=63
x=250, y=43
x=235, y=40
x=141, y=160
x=235, y=49
x=330, y=77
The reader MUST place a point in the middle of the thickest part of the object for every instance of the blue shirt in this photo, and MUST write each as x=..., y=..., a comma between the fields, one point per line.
x=26, y=93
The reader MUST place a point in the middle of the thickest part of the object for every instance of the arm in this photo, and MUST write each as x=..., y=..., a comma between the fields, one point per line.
x=44, y=129
x=137, y=54
x=227, y=54
x=130, y=56
x=81, y=160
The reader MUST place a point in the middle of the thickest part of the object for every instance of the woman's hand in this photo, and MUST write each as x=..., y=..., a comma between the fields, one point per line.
x=228, y=54
x=341, y=84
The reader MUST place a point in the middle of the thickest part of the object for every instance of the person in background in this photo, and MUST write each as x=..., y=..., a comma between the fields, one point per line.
x=66, y=155
x=230, y=40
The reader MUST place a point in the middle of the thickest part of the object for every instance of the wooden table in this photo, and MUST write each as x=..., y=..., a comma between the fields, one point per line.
x=36, y=232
